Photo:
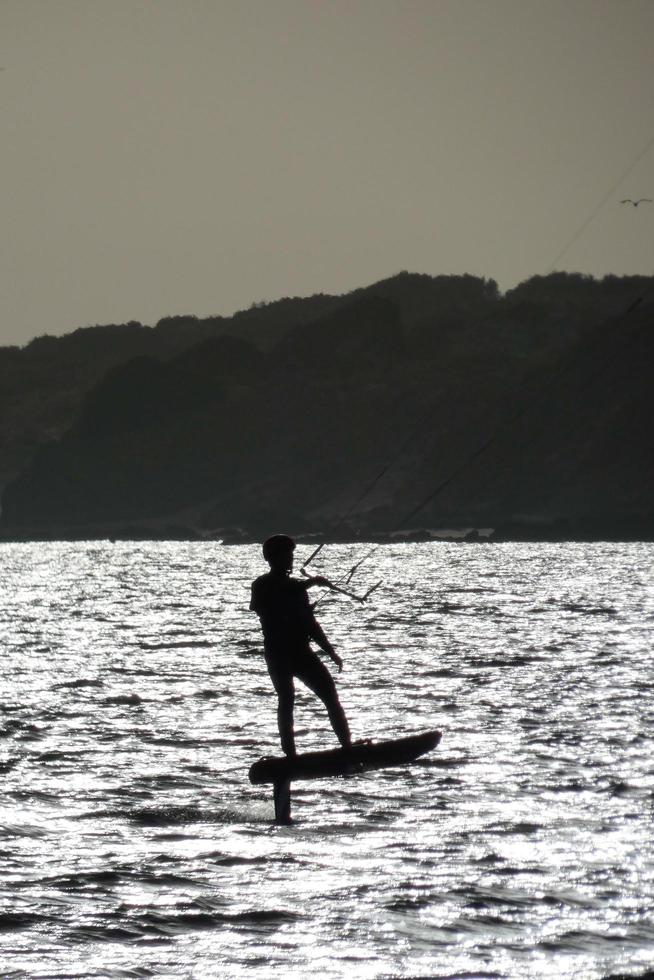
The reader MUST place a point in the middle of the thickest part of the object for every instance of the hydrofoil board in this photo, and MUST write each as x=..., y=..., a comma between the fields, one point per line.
x=344, y=762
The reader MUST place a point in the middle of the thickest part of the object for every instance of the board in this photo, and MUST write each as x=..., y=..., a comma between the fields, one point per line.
x=344, y=762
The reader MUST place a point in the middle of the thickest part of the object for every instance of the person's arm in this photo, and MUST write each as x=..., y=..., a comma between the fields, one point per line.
x=321, y=580
x=314, y=629
x=317, y=634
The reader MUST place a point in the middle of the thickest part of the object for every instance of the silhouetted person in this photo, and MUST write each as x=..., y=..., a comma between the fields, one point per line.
x=288, y=626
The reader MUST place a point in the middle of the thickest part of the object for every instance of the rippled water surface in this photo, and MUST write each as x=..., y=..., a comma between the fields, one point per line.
x=134, y=699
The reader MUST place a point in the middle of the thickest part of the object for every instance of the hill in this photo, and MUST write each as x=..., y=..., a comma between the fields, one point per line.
x=417, y=402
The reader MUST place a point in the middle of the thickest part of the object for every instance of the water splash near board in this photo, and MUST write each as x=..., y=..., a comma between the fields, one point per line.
x=361, y=757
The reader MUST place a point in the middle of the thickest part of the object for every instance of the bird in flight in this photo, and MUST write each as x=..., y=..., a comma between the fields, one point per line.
x=640, y=200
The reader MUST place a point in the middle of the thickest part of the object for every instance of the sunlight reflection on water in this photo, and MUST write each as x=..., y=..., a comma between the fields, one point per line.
x=135, y=699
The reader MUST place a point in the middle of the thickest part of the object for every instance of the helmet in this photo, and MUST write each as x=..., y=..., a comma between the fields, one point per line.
x=277, y=545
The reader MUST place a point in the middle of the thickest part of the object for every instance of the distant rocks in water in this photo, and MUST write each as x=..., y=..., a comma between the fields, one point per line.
x=443, y=534
x=564, y=530
x=599, y=529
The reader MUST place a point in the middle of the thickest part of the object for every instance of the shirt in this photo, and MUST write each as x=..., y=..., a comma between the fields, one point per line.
x=282, y=604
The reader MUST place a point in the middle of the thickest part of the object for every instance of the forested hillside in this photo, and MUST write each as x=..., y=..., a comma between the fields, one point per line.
x=418, y=402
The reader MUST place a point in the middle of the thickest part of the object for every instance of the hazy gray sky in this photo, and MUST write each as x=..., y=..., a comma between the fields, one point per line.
x=170, y=156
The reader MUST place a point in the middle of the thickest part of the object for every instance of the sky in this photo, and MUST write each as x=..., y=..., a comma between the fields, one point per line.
x=196, y=156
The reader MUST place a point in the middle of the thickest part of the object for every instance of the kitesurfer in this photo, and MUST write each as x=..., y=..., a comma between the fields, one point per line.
x=288, y=625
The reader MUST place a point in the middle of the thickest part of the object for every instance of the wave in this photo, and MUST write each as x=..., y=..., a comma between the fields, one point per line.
x=80, y=682
x=126, y=699
x=156, y=925
x=174, y=644
x=170, y=815
x=15, y=921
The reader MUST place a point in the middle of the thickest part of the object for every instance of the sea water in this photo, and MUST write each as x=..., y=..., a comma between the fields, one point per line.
x=134, y=698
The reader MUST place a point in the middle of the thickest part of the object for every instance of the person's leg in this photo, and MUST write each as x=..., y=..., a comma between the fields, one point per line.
x=310, y=669
x=283, y=683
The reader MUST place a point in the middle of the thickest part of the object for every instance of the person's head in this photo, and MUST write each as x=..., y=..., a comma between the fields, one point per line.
x=278, y=552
